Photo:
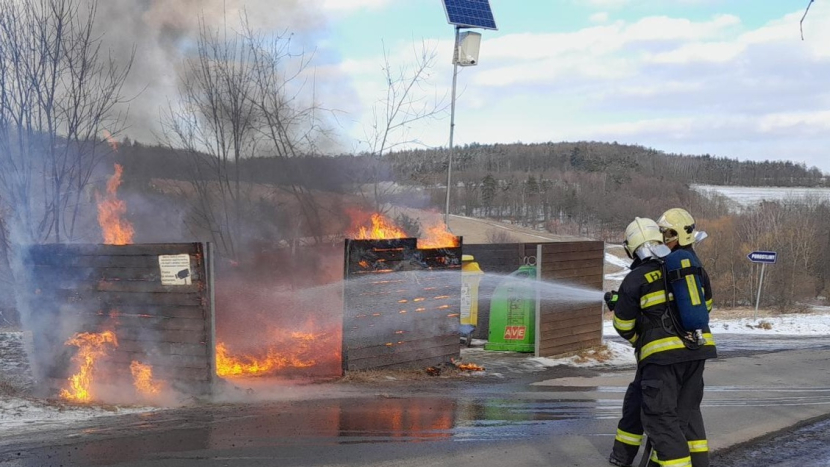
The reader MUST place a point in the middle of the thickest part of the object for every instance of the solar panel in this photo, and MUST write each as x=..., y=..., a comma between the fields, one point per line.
x=470, y=13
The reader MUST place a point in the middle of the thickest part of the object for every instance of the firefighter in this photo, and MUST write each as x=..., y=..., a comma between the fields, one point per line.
x=678, y=229
x=670, y=371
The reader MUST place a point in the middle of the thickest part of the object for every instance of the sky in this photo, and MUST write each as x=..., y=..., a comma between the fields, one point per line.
x=730, y=78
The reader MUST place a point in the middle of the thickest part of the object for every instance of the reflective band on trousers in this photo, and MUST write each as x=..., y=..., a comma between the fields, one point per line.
x=682, y=462
x=628, y=438
x=624, y=324
x=700, y=445
x=669, y=343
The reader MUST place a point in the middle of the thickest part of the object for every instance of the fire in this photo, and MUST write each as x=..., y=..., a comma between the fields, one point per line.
x=91, y=346
x=470, y=367
x=111, y=140
x=466, y=366
x=290, y=354
x=436, y=235
x=143, y=379
x=382, y=229
x=110, y=211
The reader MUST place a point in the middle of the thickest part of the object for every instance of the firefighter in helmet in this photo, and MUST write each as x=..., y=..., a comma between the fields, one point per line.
x=668, y=387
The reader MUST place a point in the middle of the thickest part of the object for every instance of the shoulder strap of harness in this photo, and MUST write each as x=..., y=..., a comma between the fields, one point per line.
x=678, y=274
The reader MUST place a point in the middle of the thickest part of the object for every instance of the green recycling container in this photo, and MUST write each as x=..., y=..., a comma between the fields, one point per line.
x=513, y=312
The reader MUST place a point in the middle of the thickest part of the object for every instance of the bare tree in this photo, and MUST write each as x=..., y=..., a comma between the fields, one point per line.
x=215, y=123
x=241, y=97
x=58, y=92
x=406, y=101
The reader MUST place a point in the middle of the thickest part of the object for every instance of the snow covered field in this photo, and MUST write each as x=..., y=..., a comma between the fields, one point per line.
x=745, y=196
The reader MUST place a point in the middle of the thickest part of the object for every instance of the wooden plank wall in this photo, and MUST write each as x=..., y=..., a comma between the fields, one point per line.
x=494, y=258
x=92, y=288
x=563, y=326
x=401, y=305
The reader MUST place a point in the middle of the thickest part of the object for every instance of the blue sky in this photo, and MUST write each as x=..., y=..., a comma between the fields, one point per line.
x=725, y=77
x=722, y=77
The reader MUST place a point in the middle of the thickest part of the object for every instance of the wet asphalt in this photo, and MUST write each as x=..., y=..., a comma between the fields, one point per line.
x=516, y=413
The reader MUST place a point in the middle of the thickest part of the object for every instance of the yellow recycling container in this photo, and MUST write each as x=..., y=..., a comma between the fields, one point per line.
x=470, y=278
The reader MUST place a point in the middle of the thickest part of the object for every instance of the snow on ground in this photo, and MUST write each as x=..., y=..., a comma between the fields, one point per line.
x=611, y=259
x=617, y=353
x=23, y=414
x=19, y=414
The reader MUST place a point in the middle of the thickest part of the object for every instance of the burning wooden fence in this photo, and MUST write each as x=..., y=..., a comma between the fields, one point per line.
x=401, y=304
x=148, y=307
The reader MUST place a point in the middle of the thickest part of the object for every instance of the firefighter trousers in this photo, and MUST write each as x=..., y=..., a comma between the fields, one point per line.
x=629, y=435
x=671, y=396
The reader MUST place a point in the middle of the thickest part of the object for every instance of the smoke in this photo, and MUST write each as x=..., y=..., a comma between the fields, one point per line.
x=162, y=34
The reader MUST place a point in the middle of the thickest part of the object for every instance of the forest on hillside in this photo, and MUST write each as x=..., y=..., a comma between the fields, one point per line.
x=596, y=199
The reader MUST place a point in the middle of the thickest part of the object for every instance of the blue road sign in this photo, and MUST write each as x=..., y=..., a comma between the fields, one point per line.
x=768, y=257
x=470, y=13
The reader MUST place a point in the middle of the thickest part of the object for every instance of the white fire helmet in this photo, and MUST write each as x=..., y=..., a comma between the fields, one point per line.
x=644, y=239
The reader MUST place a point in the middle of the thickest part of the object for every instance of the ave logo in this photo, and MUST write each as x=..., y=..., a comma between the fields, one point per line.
x=514, y=333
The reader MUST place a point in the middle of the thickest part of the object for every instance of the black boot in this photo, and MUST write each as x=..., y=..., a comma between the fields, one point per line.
x=614, y=460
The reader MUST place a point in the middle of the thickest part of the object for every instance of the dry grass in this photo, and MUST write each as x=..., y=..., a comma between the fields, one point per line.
x=390, y=376
x=7, y=389
x=599, y=354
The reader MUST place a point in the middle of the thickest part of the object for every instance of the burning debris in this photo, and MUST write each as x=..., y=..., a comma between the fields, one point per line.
x=276, y=358
x=467, y=366
x=380, y=227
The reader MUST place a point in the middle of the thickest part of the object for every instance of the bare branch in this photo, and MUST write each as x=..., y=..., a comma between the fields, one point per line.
x=801, y=23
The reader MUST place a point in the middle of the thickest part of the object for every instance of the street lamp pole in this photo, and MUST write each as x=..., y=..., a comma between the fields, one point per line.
x=452, y=126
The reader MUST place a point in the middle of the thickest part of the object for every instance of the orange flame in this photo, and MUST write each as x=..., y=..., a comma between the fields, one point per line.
x=470, y=367
x=111, y=140
x=382, y=229
x=110, y=211
x=143, y=379
x=278, y=357
x=91, y=346
x=436, y=235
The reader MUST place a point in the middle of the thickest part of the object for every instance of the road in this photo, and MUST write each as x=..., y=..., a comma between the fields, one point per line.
x=516, y=415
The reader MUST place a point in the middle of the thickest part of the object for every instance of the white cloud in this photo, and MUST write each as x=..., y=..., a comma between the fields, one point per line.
x=700, y=52
x=352, y=5
x=713, y=85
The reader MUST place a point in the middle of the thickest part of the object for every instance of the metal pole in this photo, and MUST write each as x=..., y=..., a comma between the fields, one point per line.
x=760, y=285
x=452, y=125
x=537, y=324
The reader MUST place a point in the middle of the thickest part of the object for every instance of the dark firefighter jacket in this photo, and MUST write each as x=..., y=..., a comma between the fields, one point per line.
x=640, y=317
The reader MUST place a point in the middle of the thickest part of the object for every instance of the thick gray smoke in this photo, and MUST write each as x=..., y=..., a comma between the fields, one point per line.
x=163, y=33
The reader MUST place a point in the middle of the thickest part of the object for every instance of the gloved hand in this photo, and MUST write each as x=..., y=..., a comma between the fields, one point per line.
x=611, y=299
